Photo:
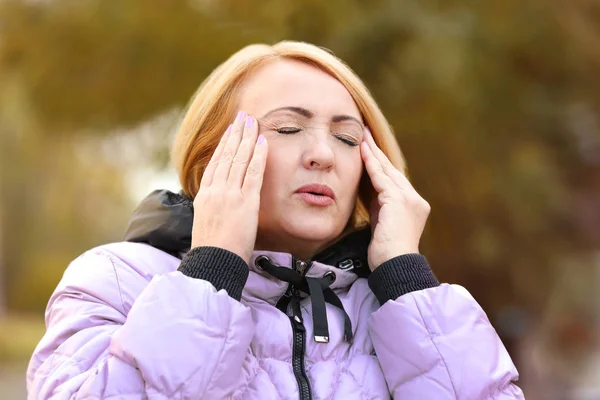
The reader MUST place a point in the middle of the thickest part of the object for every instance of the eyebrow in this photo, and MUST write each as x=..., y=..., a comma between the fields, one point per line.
x=308, y=114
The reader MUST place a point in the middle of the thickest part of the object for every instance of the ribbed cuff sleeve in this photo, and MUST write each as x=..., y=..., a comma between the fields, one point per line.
x=400, y=275
x=222, y=268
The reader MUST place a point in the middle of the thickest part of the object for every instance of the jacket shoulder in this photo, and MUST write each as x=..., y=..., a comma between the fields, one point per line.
x=116, y=273
x=140, y=258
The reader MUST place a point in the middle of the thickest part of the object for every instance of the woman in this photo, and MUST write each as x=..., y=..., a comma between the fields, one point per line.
x=259, y=289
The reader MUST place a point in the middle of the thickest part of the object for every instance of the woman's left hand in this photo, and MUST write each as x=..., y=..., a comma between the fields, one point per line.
x=398, y=213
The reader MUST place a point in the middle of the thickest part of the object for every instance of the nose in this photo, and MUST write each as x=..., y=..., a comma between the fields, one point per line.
x=318, y=153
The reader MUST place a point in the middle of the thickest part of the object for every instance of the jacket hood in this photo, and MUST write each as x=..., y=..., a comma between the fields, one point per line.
x=164, y=220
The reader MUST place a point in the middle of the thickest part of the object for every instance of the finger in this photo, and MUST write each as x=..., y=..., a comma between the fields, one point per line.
x=224, y=162
x=380, y=180
x=244, y=153
x=397, y=177
x=209, y=171
x=256, y=168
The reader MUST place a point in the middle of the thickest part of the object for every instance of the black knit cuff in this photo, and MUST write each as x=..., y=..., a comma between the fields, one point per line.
x=223, y=268
x=400, y=275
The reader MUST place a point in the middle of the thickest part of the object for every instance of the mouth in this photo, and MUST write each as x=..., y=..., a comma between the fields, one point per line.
x=317, y=190
x=317, y=195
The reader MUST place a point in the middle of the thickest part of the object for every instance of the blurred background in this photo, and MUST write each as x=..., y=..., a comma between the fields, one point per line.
x=496, y=105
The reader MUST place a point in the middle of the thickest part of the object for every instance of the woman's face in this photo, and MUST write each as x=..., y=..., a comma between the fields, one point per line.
x=314, y=129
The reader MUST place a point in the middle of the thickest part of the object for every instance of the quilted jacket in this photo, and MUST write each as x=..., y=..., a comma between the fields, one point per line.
x=133, y=320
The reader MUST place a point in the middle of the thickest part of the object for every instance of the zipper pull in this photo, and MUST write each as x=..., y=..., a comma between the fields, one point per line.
x=299, y=325
x=296, y=312
x=301, y=266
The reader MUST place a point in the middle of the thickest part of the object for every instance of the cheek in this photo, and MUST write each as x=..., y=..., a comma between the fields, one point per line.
x=352, y=167
x=352, y=172
x=274, y=176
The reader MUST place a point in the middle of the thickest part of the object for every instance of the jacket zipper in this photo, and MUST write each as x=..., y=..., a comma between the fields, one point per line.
x=299, y=336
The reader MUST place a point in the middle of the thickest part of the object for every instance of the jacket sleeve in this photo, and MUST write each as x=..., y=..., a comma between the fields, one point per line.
x=435, y=341
x=181, y=338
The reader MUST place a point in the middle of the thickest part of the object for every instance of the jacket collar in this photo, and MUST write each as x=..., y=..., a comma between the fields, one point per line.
x=164, y=220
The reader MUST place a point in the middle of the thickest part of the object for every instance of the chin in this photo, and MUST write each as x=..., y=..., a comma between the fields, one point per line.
x=314, y=228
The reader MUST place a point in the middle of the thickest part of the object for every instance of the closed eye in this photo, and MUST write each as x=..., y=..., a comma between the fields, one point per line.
x=288, y=131
x=349, y=141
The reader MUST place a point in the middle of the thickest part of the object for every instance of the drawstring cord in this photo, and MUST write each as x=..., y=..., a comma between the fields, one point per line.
x=320, y=293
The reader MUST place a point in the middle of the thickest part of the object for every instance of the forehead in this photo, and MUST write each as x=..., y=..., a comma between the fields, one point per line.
x=284, y=83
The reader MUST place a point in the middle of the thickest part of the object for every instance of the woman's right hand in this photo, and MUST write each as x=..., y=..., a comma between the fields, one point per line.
x=227, y=203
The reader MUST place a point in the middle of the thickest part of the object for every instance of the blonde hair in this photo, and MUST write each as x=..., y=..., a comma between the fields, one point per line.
x=214, y=105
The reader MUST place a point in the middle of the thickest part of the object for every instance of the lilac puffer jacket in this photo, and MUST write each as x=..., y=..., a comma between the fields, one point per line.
x=130, y=321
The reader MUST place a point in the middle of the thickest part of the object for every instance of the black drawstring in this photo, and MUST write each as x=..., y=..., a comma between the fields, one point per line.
x=319, y=311
x=320, y=293
x=334, y=300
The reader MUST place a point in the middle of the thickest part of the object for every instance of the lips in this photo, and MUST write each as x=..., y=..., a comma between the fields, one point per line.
x=317, y=190
x=316, y=195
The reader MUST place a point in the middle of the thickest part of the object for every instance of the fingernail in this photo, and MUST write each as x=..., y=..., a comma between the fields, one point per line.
x=240, y=116
x=249, y=121
x=261, y=138
x=228, y=130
